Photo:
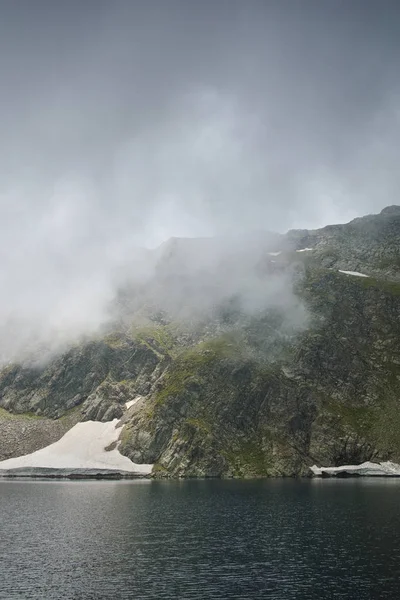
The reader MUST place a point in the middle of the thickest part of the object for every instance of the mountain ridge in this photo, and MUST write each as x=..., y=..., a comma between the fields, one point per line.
x=300, y=366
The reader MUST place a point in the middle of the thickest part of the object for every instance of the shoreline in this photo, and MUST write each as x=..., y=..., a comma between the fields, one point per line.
x=109, y=474
x=64, y=473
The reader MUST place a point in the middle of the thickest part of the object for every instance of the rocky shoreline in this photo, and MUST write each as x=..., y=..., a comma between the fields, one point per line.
x=366, y=469
x=375, y=470
x=47, y=473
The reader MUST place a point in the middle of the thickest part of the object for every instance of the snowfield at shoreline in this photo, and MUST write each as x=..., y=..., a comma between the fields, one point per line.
x=82, y=447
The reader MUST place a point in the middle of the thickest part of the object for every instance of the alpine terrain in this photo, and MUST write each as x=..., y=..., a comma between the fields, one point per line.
x=235, y=357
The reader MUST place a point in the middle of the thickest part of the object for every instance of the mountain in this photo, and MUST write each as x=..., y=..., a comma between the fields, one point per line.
x=253, y=356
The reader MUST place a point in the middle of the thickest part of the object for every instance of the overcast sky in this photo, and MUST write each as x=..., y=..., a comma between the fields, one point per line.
x=127, y=122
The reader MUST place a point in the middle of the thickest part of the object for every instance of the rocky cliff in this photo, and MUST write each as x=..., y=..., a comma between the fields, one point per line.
x=291, y=360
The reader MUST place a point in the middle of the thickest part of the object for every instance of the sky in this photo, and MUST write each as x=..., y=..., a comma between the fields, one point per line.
x=123, y=123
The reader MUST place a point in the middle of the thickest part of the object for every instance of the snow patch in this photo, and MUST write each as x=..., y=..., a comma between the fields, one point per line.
x=366, y=469
x=305, y=250
x=355, y=273
x=275, y=253
x=132, y=402
x=82, y=447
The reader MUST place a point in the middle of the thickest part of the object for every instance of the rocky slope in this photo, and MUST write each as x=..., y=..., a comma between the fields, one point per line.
x=252, y=359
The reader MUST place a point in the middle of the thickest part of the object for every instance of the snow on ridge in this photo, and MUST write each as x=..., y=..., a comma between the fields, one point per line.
x=355, y=273
x=305, y=250
x=366, y=469
x=82, y=447
x=275, y=253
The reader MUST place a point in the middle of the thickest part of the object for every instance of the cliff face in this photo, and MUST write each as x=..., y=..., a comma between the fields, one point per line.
x=329, y=395
x=239, y=392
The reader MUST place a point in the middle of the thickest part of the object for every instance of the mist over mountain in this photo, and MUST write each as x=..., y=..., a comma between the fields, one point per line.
x=230, y=357
x=125, y=124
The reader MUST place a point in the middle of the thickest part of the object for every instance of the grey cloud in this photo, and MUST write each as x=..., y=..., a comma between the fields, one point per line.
x=124, y=123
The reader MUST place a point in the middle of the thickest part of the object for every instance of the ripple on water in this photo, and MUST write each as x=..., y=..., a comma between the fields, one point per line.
x=200, y=539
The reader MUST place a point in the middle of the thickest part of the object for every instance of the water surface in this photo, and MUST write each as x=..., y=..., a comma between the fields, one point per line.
x=200, y=539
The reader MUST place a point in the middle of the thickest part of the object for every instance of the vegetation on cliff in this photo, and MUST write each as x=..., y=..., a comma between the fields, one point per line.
x=247, y=393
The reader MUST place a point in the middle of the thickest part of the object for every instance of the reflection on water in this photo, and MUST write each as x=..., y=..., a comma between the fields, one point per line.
x=200, y=539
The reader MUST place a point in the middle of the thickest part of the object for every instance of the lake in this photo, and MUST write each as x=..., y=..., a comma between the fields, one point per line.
x=200, y=539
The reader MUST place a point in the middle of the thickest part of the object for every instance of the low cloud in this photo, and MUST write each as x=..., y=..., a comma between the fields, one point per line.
x=121, y=130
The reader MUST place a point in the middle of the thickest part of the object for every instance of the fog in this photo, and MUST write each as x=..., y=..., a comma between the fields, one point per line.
x=126, y=123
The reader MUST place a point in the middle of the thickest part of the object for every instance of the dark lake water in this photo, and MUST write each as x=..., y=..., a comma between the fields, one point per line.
x=200, y=539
